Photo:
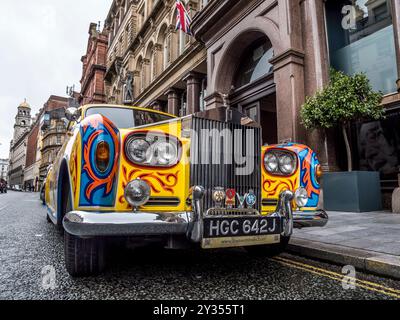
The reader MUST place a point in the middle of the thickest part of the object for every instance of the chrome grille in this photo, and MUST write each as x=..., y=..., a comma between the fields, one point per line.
x=207, y=149
x=220, y=212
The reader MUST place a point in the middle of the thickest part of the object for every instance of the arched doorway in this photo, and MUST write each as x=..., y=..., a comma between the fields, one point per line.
x=249, y=75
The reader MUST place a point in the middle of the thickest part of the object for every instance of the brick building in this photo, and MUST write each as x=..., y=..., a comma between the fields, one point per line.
x=32, y=163
x=94, y=67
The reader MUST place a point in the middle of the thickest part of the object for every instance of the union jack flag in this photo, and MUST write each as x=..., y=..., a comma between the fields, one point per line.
x=183, y=19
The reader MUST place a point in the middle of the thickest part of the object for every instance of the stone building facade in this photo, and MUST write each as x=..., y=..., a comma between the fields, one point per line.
x=53, y=130
x=18, y=145
x=33, y=156
x=265, y=57
x=94, y=67
x=149, y=62
x=4, y=169
x=269, y=55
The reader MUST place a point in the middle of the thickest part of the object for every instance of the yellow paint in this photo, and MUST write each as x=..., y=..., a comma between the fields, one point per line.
x=273, y=186
x=166, y=182
x=162, y=180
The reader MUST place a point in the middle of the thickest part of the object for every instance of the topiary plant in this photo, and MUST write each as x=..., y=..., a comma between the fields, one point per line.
x=345, y=99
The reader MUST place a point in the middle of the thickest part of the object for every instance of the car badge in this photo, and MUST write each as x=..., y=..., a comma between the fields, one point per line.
x=230, y=200
x=251, y=199
x=242, y=200
x=219, y=197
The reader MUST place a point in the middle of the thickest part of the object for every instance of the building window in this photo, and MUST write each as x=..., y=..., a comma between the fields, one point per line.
x=153, y=65
x=255, y=62
x=167, y=50
x=183, y=104
x=203, y=94
x=361, y=39
x=126, y=6
x=377, y=146
x=184, y=40
x=142, y=77
x=204, y=3
x=141, y=16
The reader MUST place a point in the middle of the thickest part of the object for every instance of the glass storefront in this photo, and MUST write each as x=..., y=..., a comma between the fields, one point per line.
x=377, y=146
x=361, y=39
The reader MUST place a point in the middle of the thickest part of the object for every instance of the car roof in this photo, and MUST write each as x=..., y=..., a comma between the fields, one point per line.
x=88, y=106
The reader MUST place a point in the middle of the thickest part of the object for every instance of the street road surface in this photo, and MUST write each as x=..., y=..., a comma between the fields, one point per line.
x=30, y=246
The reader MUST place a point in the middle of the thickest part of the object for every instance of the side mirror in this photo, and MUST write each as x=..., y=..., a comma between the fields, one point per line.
x=72, y=114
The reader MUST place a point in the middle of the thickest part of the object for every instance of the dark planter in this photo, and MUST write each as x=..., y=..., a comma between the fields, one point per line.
x=357, y=191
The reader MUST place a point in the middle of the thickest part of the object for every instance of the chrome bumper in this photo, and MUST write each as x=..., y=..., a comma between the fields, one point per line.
x=95, y=224
x=312, y=219
x=92, y=224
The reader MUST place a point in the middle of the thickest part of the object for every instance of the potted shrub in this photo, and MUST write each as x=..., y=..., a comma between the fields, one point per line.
x=346, y=99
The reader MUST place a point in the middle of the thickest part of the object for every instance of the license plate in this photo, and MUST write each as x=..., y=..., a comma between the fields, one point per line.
x=240, y=232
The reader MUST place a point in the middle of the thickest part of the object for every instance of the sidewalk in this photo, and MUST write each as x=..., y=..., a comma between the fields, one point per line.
x=368, y=241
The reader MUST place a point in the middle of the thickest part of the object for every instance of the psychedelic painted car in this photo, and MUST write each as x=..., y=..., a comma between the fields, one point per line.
x=203, y=180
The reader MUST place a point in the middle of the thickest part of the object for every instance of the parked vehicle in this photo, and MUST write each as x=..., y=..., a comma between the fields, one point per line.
x=203, y=179
x=3, y=186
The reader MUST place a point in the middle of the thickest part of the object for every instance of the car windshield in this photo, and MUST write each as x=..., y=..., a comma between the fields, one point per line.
x=125, y=118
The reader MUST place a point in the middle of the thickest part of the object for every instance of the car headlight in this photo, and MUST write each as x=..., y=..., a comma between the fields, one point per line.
x=280, y=162
x=271, y=162
x=301, y=197
x=152, y=150
x=287, y=164
x=137, y=150
x=165, y=153
x=137, y=193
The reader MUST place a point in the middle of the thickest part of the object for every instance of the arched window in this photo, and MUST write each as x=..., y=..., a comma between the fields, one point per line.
x=255, y=62
x=182, y=41
x=153, y=65
x=167, y=51
x=142, y=77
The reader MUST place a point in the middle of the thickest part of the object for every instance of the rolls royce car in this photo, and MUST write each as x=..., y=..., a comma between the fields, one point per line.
x=202, y=180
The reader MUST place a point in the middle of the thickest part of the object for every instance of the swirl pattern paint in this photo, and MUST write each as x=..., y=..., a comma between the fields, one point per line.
x=98, y=188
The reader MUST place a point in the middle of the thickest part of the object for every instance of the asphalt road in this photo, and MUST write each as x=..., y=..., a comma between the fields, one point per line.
x=29, y=246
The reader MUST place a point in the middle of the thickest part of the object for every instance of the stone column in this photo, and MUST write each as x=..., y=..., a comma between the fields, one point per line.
x=396, y=25
x=289, y=79
x=173, y=101
x=193, y=85
x=316, y=74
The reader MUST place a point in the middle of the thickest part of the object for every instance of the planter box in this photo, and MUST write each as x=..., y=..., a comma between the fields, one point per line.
x=358, y=191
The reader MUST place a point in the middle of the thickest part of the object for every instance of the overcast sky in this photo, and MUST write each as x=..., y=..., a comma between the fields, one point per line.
x=42, y=42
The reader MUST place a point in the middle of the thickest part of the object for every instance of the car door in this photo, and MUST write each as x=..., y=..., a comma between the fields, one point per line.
x=63, y=154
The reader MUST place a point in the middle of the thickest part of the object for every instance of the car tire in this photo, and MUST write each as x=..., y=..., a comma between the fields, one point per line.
x=269, y=250
x=83, y=257
x=43, y=196
x=66, y=207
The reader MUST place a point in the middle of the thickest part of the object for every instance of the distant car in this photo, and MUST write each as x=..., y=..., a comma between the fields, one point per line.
x=3, y=186
x=203, y=179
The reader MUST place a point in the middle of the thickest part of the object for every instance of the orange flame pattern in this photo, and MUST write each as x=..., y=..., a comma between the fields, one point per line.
x=158, y=181
x=96, y=181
